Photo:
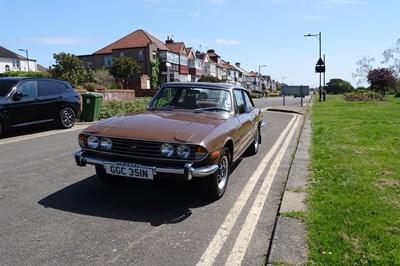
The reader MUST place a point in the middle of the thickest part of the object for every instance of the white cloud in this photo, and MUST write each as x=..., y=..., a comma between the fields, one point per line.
x=60, y=40
x=226, y=42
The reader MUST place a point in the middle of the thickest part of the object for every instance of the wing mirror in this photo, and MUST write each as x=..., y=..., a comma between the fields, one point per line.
x=17, y=96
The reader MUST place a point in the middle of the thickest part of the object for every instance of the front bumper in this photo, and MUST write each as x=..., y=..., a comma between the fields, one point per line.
x=188, y=171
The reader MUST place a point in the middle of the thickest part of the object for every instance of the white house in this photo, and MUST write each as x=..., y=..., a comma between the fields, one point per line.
x=10, y=61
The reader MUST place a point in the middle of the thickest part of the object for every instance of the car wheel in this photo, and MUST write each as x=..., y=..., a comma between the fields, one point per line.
x=1, y=129
x=215, y=185
x=253, y=148
x=104, y=177
x=67, y=118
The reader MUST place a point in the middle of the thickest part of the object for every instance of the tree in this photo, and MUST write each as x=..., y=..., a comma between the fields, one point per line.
x=68, y=67
x=338, y=86
x=209, y=78
x=155, y=71
x=364, y=66
x=124, y=68
x=393, y=54
x=382, y=79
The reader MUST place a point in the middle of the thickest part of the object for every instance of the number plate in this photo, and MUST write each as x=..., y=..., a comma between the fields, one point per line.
x=129, y=170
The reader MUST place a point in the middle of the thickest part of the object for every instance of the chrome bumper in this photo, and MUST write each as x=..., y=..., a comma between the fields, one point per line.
x=188, y=170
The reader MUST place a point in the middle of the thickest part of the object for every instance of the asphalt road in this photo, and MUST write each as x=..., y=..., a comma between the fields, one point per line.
x=55, y=213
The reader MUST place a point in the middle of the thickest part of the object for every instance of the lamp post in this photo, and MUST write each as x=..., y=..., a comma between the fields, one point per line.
x=318, y=35
x=27, y=56
x=259, y=75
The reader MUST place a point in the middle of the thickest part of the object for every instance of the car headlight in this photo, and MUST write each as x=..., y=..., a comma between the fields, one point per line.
x=93, y=142
x=183, y=151
x=167, y=149
x=106, y=144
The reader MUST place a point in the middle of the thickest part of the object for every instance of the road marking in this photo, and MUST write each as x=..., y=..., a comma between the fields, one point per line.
x=41, y=134
x=243, y=240
x=212, y=251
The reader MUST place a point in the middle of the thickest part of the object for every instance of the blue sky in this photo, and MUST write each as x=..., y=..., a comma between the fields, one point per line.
x=252, y=32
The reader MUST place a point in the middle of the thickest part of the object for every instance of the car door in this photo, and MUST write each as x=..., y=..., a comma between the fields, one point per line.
x=50, y=99
x=245, y=120
x=22, y=108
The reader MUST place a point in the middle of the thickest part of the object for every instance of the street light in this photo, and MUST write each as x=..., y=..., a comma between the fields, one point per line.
x=259, y=75
x=319, y=38
x=27, y=56
x=282, y=79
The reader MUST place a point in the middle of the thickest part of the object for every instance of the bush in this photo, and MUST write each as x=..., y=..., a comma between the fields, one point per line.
x=32, y=74
x=114, y=107
x=363, y=96
x=93, y=87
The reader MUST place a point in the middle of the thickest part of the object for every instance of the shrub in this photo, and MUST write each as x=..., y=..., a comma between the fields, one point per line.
x=362, y=95
x=93, y=87
x=114, y=107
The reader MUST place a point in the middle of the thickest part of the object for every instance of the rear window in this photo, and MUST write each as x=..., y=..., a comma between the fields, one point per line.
x=63, y=87
x=6, y=86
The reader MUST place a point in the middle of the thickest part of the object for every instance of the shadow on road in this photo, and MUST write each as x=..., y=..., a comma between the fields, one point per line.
x=156, y=202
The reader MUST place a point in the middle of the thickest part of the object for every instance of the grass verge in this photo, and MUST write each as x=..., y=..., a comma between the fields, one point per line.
x=353, y=216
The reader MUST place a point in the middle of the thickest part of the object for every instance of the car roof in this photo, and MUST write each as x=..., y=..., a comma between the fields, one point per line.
x=202, y=84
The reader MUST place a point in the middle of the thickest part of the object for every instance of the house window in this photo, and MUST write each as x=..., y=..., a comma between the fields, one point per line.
x=140, y=56
x=15, y=63
x=89, y=64
x=121, y=54
x=7, y=68
x=107, y=60
x=154, y=55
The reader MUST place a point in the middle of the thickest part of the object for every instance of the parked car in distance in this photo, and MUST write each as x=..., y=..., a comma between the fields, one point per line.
x=29, y=101
x=191, y=130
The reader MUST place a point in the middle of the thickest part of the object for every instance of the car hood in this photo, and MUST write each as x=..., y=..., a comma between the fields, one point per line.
x=160, y=125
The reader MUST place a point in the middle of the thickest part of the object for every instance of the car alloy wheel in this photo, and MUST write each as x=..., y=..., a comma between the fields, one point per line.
x=215, y=185
x=67, y=117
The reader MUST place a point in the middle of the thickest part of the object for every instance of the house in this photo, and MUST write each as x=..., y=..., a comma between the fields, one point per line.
x=182, y=64
x=139, y=45
x=209, y=66
x=243, y=78
x=10, y=61
x=196, y=65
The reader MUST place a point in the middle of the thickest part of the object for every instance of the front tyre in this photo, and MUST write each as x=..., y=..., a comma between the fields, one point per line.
x=67, y=117
x=215, y=185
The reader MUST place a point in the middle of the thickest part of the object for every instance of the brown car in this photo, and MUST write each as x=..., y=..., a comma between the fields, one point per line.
x=191, y=130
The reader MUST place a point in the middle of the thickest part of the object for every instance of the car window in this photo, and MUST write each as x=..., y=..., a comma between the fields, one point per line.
x=240, y=102
x=63, y=87
x=28, y=88
x=6, y=86
x=249, y=103
x=48, y=87
x=193, y=98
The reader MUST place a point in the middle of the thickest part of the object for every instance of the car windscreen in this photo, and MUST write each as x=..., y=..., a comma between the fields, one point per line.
x=192, y=98
x=6, y=86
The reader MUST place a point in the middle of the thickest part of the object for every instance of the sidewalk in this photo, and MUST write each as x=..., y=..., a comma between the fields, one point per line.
x=289, y=239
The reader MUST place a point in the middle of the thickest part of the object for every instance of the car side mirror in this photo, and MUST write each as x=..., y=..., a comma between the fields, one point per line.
x=17, y=96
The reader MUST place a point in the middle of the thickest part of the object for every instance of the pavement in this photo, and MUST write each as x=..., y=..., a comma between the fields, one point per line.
x=289, y=239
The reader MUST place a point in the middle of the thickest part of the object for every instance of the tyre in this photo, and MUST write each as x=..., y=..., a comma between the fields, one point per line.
x=104, y=177
x=253, y=148
x=1, y=129
x=214, y=186
x=67, y=118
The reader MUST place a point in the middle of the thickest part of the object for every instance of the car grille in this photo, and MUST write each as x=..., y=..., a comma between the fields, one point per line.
x=144, y=149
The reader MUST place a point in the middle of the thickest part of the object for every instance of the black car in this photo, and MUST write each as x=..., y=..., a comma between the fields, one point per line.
x=28, y=101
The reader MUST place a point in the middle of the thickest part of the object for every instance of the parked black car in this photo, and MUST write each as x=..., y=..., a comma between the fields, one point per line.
x=28, y=101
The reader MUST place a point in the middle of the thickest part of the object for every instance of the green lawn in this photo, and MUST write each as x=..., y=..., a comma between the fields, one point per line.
x=354, y=192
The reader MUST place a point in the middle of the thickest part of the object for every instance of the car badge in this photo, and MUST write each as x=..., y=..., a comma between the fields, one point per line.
x=134, y=147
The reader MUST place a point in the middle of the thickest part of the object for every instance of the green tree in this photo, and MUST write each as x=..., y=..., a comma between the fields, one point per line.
x=338, y=86
x=68, y=67
x=155, y=71
x=382, y=79
x=124, y=68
